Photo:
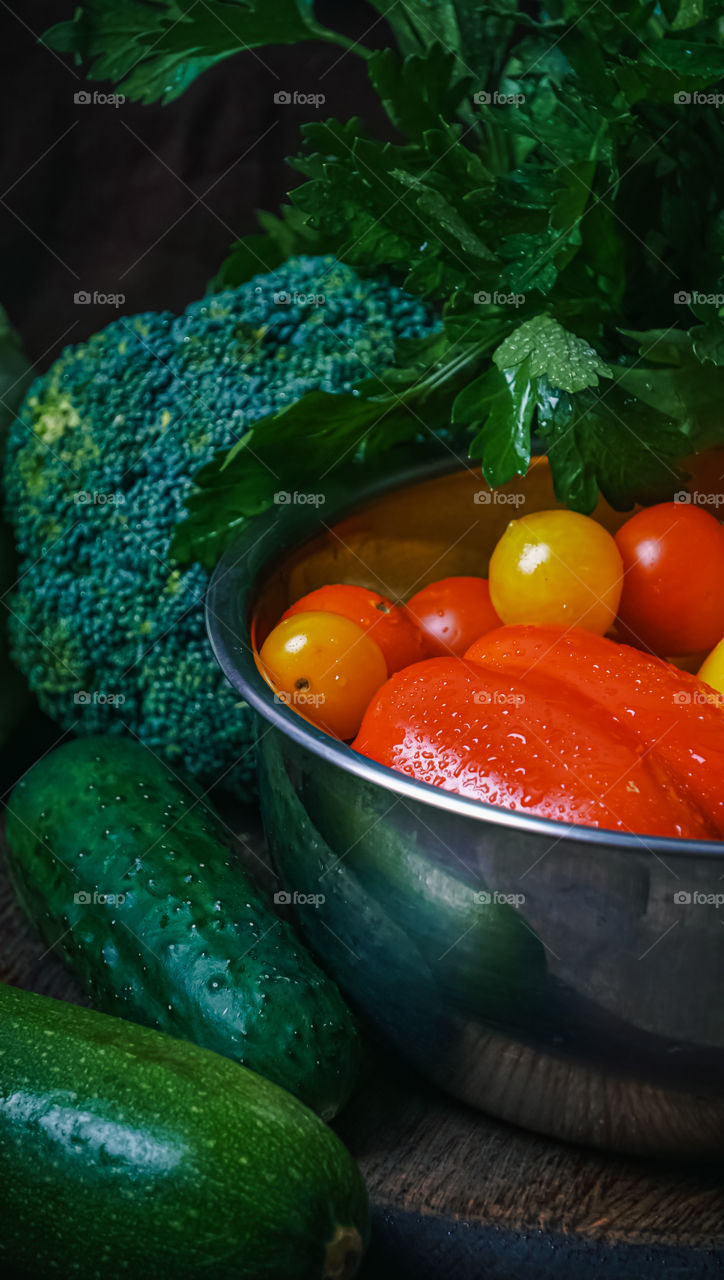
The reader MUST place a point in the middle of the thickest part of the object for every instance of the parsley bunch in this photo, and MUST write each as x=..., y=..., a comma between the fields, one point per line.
x=556, y=188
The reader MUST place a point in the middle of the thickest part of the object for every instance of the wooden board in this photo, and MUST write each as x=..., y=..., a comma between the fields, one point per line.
x=459, y=1194
x=456, y=1194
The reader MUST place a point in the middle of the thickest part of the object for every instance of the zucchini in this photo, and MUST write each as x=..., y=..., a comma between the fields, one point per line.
x=129, y=875
x=123, y=1151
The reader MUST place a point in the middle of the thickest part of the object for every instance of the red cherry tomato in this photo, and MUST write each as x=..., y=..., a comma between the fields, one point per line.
x=673, y=586
x=389, y=625
x=452, y=613
x=325, y=667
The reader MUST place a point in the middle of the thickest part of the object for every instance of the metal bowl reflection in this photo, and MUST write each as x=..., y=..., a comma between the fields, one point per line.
x=563, y=978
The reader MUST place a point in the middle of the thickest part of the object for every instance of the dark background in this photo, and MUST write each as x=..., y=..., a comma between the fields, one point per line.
x=145, y=200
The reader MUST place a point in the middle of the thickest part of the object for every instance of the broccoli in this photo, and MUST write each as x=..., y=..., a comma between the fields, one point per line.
x=107, y=628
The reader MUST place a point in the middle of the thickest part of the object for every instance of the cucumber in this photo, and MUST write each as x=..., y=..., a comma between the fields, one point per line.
x=123, y=1151
x=129, y=875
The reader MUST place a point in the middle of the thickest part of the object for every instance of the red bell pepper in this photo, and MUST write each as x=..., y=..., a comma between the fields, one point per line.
x=560, y=723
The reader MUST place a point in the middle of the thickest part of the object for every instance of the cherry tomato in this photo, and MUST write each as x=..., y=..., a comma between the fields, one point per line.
x=558, y=568
x=325, y=667
x=389, y=625
x=452, y=613
x=673, y=589
x=712, y=670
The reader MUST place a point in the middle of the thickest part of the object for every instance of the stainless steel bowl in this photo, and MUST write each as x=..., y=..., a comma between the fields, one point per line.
x=563, y=978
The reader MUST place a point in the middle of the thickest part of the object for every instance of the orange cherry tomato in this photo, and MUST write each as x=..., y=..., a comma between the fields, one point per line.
x=390, y=625
x=452, y=613
x=558, y=568
x=325, y=667
x=673, y=587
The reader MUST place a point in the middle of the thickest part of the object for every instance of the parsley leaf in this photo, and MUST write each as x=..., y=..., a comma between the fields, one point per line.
x=418, y=93
x=303, y=445
x=605, y=442
x=153, y=49
x=506, y=400
x=281, y=238
x=568, y=362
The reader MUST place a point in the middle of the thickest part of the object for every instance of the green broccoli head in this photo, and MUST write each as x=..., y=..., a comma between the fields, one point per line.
x=108, y=630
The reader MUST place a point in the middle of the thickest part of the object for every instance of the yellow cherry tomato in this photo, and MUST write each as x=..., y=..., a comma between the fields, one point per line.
x=556, y=567
x=711, y=670
x=325, y=667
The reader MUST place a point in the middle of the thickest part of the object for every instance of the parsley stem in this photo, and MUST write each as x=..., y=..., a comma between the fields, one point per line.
x=336, y=37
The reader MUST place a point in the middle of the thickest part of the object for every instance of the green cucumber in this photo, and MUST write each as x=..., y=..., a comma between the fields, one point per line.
x=124, y=1151
x=130, y=877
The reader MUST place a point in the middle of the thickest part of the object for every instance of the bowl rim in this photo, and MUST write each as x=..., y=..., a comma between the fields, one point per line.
x=228, y=590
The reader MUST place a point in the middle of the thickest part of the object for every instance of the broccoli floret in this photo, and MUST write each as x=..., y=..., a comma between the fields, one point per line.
x=107, y=628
